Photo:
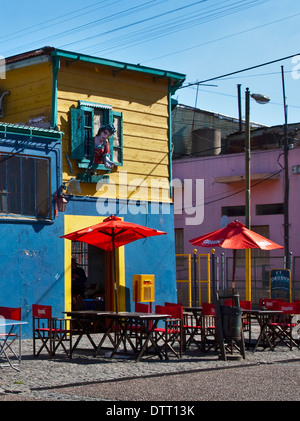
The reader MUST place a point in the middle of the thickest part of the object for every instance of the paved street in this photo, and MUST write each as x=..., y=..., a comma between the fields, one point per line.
x=262, y=376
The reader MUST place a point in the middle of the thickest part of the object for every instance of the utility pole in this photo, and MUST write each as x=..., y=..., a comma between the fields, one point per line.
x=286, y=180
x=247, y=192
x=261, y=99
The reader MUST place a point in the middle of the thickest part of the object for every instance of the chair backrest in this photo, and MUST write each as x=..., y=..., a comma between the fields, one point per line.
x=179, y=309
x=208, y=309
x=270, y=303
x=142, y=308
x=297, y=306
x=41, y=311
x=288, y=308
x=172, y=311
x=167, y=304
x=246, y=305
x=11, y=313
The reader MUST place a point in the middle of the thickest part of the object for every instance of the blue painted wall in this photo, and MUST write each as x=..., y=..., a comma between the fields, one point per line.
x=32, y=261
x=31, y=267
x=31, y=257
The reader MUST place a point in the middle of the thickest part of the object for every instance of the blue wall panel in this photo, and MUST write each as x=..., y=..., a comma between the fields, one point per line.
x=32, y=260
x=32, y=267
x=31, y=254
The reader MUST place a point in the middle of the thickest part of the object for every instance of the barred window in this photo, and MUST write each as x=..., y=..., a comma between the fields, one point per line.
x=24, y=186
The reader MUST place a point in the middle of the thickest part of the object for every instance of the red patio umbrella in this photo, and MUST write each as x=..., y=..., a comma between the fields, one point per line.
x=110, y=234
x=235, y=236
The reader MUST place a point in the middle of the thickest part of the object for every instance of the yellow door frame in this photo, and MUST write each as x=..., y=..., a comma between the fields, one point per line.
x=77, y=222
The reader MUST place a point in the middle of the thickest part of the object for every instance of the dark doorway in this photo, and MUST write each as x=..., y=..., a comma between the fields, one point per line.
x=93, y=261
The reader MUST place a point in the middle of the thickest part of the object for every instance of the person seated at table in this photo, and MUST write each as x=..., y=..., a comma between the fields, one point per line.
x=78, y=279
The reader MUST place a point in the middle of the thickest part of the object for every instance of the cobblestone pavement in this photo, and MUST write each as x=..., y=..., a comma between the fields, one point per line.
x=263, y=375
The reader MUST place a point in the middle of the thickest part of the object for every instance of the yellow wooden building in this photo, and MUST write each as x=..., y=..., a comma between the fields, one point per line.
x=75, y=94
x=46, y=84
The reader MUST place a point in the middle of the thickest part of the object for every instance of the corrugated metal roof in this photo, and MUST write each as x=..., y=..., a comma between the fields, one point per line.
x=29, y=54
x=29, y=130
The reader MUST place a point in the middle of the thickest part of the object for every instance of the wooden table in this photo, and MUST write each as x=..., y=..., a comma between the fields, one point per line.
x=83, y=320
x=263, y=317
x=118, y=329
x=143, y=324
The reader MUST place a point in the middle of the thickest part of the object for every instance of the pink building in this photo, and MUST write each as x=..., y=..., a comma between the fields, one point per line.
x=216, y=196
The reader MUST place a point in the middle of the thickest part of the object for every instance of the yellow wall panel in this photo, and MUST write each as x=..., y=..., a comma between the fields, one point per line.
x=146, y=156
x=146, y=144
x=144, y=104
x=30, y=93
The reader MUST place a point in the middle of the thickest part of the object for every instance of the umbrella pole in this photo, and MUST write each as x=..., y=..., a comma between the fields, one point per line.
x=233, y=271
x=114, y=273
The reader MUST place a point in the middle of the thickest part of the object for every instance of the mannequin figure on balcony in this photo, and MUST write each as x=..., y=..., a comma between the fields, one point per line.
x=101, y=148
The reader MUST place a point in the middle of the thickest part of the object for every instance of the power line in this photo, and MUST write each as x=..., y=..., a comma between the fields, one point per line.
x=155, y=31
x=239, y=71
x=174, y=25
x=136, y=23
x=103, y=19
x=55, y=21
x=222, y=38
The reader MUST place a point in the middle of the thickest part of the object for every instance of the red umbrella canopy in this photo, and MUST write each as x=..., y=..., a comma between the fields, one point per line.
x=113, y=232
x=235, y=236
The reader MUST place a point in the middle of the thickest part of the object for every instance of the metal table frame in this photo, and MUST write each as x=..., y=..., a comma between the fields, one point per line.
x=6, y=341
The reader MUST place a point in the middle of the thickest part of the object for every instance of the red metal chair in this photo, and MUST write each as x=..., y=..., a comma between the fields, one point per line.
x=285, y=330
x=52, y=332
x=8, y=338
x=172, y=332
x=208, y=327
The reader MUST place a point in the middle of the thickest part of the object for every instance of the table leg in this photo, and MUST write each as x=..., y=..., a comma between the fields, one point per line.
x=5, y=345
x=194, y=331
x=149, y=337
x=83, y=331
x=123, y=325
x=106, y=335
x=263, y=334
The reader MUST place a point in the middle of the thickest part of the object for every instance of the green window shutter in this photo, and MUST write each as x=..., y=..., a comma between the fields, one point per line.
x=117, y=140
x=77, y=133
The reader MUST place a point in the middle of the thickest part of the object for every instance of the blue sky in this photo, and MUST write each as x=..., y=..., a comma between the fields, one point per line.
x=202, y=39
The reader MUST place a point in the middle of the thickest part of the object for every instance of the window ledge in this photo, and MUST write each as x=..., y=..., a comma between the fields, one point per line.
x=20, y=218
x=88, y=178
